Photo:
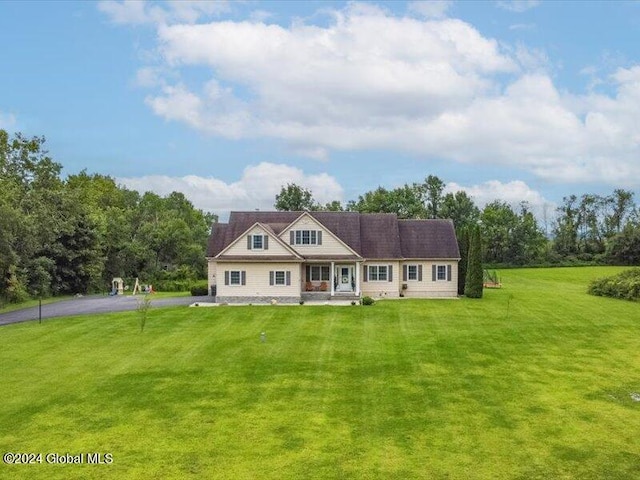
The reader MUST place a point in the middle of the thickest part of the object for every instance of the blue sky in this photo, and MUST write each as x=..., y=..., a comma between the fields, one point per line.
x=227, y=101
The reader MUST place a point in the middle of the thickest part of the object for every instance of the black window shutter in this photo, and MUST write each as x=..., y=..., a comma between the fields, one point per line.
x=448, y=273
x=271, y=277
x=308, y=273
x=243, y=274
x=265, y=242
x=366, y=274
x=404, y=273
x=288, y=275
x=433, y=273
x=226, y=277
x=292, y=235
x=319, y=237
x=419, y=273
x=249, y=242
x=390, y=273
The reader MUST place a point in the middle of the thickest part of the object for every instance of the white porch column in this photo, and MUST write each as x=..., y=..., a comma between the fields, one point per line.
x=333, y=273
x=357, y=279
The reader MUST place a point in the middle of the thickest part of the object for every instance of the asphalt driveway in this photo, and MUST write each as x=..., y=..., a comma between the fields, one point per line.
x=92, y=304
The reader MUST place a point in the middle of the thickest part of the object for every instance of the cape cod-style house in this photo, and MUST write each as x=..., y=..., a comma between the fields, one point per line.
x=259, y=257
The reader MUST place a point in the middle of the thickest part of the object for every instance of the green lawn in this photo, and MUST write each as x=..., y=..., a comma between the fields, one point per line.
x=532, y=382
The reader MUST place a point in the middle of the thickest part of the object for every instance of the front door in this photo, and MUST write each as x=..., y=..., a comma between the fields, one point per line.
x=344, y=278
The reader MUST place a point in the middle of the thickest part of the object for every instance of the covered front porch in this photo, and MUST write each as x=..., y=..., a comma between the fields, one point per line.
x=330, y=279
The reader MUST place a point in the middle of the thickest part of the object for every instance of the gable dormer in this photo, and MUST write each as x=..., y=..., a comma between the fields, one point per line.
x=307, y=236
x=259, y=240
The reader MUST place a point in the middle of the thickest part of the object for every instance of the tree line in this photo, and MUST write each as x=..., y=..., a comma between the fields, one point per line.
x=73, y=235
x=591, y=229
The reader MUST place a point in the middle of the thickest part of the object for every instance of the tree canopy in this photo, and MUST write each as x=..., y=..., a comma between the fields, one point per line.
x=67, y=236
x=294, y=198
x=591, y=228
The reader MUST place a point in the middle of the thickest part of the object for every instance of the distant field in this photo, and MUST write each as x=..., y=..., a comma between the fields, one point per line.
x=536, y=381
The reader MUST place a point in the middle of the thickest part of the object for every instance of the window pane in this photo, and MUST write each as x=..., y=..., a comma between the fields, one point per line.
x=373, y=273
x=442, y=272
x=315, y=273
x=234, y=277
x=412, y=272
x=257, y=242
x=280, y=278
x=313, y=237
x=325, y=273
x=382, y=273
x=298, y=237
x=305, y=237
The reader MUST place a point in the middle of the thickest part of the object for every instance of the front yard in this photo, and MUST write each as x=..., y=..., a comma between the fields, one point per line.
x=537, y=380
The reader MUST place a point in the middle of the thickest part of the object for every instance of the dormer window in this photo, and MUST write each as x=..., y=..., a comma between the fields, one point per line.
x=257, y=242
x=306, y=237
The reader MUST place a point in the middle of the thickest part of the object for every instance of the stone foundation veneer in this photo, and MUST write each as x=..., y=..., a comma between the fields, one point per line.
x=220, y=299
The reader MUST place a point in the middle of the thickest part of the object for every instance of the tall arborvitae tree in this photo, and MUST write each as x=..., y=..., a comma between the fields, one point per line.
x=473, y=286
x=463, y=245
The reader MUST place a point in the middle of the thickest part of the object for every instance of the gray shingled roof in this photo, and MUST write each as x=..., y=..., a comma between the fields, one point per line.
x=428, y=239
x=380, y=236
x=371, y=235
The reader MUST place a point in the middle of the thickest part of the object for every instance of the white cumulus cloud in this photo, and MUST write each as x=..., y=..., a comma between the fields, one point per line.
x=257, y=188
x=518, y=6
x=431, y=8
x=368, y=79
x=513, y=193
x=138, y=12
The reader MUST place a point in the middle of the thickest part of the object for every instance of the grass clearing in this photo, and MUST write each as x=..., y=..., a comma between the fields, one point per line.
x=534, y=381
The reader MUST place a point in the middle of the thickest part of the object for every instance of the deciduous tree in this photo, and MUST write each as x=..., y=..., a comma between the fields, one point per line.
x=294, y=198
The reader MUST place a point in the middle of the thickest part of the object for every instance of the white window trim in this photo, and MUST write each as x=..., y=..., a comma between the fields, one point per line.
x=231, y=284
x=377, y=267
x=319, y=269
x=444, y=267
x=253, y=245
x=299, y=235
x=275, y=278
x=409, y=279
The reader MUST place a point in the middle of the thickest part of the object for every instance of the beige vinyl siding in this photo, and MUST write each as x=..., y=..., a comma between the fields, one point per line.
x=427, y=287
x=330, y=245
x=239, y=247
x=382, y=289
x=211, y=264
x=257, y=280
